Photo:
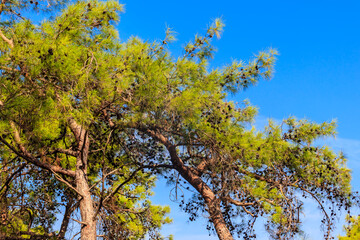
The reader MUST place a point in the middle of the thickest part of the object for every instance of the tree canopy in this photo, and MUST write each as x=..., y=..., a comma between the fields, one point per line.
x=87, y=122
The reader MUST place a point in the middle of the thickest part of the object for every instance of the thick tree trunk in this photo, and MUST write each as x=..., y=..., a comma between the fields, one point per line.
x=217, y=219
x=87, y=210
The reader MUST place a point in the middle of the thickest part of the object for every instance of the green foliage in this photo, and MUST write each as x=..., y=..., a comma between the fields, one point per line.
x=352, y=230
x=147, y=112
x=56, y=70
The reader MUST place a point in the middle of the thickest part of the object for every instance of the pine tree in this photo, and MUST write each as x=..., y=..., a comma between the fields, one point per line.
x=91, y=120
x=57, y=158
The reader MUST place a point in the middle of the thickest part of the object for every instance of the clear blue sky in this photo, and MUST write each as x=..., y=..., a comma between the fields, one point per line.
x=317, y=73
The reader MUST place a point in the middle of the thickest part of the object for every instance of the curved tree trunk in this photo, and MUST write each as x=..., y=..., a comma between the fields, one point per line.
x=195, y=180
x=211, y=201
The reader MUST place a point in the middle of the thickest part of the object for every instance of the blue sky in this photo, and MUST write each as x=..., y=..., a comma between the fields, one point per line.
x=317, y=72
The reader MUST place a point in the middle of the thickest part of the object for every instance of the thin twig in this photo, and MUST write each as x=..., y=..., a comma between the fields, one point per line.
x=78, y=221
x=58, y=177
x=12, y=175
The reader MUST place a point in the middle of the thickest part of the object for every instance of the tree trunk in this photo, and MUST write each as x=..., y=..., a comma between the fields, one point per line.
x=217, y=219
x=87, y=210
x=205, y=191
x=195, y=180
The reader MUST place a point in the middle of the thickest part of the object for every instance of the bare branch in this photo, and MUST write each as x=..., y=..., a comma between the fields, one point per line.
x=247, y=211
x=66, y=151
x=78, y=221
x=76, y=233
x=105, y=176
x=238, y=203
x=321, y=206
x=9, y=69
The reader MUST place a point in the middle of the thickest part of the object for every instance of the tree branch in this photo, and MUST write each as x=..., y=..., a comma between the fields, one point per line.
x=2, y=4
x=102, y=200
x=321, y=206
x=66, y=182
x=70, y=207
x=31, y=234
x=258, y=177
x=200, y=168
x=82, y=223
x=22, y=166
x=78, y=130
x=111, y=123
x=9, y=41
x=238, y=203
x=66, y=151
x=28, y=157
x=9, y=69
x=247, y=211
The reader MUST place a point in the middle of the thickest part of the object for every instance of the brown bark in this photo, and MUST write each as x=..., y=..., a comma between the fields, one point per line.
x=205, y=191
x=70, y=207
x=88, y=228
x=211, y=201
x=8, y=41
x=217, y=219
x=87, y=210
